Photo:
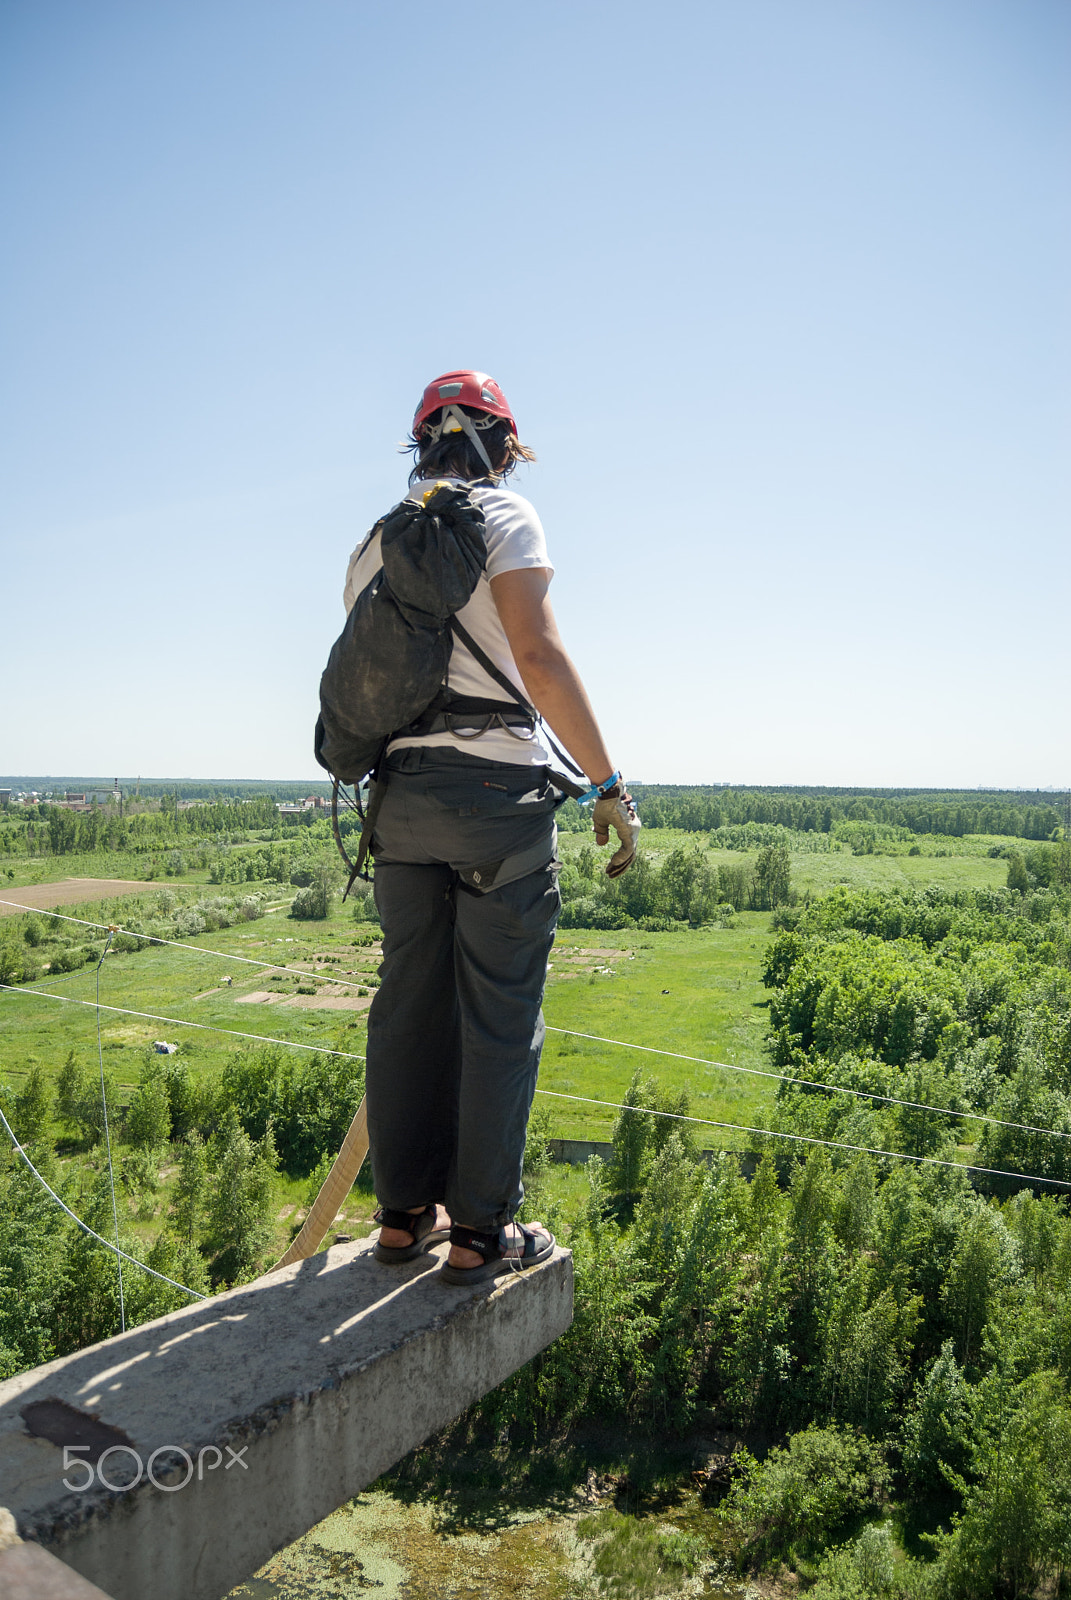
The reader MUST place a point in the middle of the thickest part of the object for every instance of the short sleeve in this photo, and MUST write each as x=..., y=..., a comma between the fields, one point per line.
x=514, y=533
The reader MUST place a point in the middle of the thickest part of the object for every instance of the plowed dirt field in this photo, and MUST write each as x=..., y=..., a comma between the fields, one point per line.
x=45, y=896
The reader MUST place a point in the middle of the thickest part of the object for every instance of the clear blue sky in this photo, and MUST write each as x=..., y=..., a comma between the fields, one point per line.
x=779, y=294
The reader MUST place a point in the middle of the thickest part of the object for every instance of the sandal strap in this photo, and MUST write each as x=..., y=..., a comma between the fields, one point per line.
x=405, y=1221
x=488, y=1245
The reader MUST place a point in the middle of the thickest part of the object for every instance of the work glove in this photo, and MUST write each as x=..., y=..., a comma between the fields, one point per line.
x=615, y=809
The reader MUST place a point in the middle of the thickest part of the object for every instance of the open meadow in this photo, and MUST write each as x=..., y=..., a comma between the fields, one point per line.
x=693, y=993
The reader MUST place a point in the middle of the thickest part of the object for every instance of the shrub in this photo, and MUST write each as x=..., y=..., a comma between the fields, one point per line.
x=804, y=1493
x=16, y=964
x=68, y=960
x=311, y=903
x=364, y=906
x=858, y=1572
x=590, y=912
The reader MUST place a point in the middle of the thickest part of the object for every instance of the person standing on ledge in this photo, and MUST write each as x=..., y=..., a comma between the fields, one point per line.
x=466, y=871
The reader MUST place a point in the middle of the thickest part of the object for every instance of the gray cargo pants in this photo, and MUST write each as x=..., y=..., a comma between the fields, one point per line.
x=455, y=1029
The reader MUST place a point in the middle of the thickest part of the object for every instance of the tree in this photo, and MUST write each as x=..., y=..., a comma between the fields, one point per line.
x=867, y=1340
x=91, y=1108
x=1018, y=877
x=639, y=1136
x=856, y=1205
x=148, y=1119
x=984, y=1261
x=773, y=872
x=89, y=1311
x=760, y=1359
x=322, y=881
x=190, y=1197
x=1015, y=1532
x=180, y=1097
x=936, y=1433
x=34, y=1234
x=70, y=1091
x=31, y=1107
x=240, y=1207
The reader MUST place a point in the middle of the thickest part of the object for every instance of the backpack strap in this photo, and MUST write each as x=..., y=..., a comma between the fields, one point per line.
x=484, y=660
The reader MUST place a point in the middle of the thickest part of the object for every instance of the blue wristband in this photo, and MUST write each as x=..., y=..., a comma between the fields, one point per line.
x=597, y=790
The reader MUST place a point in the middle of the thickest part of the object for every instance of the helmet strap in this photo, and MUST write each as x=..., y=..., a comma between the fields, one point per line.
x=454, y=420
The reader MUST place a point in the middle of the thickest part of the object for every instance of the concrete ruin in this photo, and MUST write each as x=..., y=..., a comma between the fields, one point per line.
x=173, y=1460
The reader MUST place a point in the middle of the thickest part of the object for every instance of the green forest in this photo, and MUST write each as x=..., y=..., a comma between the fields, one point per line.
x=847, y=1351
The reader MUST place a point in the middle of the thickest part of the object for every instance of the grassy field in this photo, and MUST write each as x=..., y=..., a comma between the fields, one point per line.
x=944, y=863
x=689, y=994
x=696, y=993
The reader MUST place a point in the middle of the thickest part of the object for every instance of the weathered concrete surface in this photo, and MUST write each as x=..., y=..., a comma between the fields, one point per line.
x=299, y=1390
x=29, y=1573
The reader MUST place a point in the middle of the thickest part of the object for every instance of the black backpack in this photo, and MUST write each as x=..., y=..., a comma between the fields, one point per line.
x=386, y=672
x=389, y=661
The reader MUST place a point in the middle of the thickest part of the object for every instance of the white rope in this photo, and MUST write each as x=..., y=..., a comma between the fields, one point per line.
x=180, y=1022
x=813, y=1083
x=197, y=1295
x=802, y=1138
x=349, y=1055
x=612, y=1105
x=198, y=949
x=724, y=1066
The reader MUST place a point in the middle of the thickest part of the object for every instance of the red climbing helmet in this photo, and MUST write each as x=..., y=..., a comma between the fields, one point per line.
x=463, y=388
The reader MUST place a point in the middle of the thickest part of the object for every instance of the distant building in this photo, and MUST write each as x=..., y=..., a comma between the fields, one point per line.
x=5, y=797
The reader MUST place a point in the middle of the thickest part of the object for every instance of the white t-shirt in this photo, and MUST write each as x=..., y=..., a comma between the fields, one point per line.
x=515, y=539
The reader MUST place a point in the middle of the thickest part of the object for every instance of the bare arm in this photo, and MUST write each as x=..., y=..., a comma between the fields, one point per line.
x=552, y=682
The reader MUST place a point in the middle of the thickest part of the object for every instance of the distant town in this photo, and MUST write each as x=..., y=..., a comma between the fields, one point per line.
x=87, y=799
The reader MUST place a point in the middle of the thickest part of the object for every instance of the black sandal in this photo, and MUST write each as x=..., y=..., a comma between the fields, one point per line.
x=500, y=1253
x=421, y=1226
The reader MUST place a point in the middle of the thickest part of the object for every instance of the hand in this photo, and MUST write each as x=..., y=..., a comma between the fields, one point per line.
x=616, y=810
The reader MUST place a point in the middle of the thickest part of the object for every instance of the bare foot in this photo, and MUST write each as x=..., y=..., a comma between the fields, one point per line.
x=400, y=1238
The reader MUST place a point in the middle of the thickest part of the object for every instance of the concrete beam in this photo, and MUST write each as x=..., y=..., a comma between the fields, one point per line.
x=260, y=1411
x=29, y=1573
